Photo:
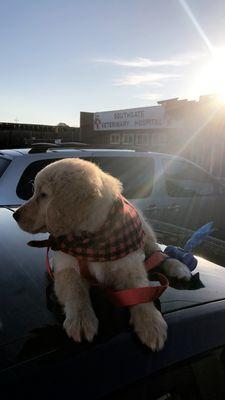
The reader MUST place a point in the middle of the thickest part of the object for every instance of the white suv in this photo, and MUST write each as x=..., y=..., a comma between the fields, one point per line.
x=165, y=187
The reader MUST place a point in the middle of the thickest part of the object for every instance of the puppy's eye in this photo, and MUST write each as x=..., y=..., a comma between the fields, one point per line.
x=42, y=195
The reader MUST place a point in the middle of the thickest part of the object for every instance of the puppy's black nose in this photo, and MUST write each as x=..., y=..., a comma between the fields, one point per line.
x=16, y=215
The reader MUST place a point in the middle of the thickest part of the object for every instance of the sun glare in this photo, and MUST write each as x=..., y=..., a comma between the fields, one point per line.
x=211, y=78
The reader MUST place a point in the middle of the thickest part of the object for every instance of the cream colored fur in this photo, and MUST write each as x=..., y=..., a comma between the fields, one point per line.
x=71, y=196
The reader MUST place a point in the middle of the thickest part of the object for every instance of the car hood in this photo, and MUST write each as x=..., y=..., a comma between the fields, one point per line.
x=28, y=305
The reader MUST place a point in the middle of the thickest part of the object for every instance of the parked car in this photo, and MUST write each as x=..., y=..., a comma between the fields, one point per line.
x=167, y=188
x=38, y=360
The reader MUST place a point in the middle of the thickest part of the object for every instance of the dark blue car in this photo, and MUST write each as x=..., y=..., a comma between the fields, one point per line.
x=38, y=360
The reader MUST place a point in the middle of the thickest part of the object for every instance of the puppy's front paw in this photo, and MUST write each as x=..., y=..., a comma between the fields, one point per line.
x=149, y=325
x=81, y=325
x=175, y=269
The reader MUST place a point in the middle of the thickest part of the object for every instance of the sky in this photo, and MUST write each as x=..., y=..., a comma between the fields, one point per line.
x=60, y=57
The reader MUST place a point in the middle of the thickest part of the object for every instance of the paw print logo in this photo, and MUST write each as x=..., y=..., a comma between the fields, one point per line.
x=97, y=122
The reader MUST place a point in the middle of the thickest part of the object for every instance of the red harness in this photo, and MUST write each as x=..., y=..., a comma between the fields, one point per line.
x=128, y=297
x=121, y=234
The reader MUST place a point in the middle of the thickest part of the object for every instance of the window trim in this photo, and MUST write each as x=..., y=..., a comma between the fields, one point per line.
x=5, y=167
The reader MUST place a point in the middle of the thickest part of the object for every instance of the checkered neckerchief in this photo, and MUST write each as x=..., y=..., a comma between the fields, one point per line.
x=121, y=234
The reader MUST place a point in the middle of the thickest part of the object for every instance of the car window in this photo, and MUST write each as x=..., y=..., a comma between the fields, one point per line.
x=135, y=173
x=3, y=165
x=186, y=180
x=24, y=188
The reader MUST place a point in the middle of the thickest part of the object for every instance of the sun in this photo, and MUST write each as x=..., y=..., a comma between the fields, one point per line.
x=211, y=76
x=216, y=71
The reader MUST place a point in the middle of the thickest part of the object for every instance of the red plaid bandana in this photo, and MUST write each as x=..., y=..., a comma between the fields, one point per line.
x=121, y=234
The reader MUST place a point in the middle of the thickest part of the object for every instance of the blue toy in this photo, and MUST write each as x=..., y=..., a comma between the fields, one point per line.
x=185, y=255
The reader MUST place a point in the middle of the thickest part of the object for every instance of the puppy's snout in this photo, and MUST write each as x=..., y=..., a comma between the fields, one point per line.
x=16, y=215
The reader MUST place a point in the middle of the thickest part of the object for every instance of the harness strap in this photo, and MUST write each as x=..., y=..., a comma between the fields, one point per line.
x=83, y=266
x=155, y=260
x=127, y=297
x=84, y=271
x=47, y=263
x=131, y=297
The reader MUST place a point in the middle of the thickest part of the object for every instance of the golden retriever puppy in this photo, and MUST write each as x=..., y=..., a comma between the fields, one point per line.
x=73, y=196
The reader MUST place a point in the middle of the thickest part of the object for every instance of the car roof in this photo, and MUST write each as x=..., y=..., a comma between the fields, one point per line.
x=14, y=153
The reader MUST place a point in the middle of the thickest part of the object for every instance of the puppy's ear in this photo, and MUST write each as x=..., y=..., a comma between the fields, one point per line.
x=66, y=211
x=54, y=220
x=113, y=184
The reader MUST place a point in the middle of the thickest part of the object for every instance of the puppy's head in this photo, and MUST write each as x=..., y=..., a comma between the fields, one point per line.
x=66, y=193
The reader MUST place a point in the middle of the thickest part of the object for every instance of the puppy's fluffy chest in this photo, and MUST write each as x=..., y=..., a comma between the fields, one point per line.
x=101, y=271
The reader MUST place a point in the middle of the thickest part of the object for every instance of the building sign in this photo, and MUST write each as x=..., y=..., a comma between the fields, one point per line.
x=134, y=118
